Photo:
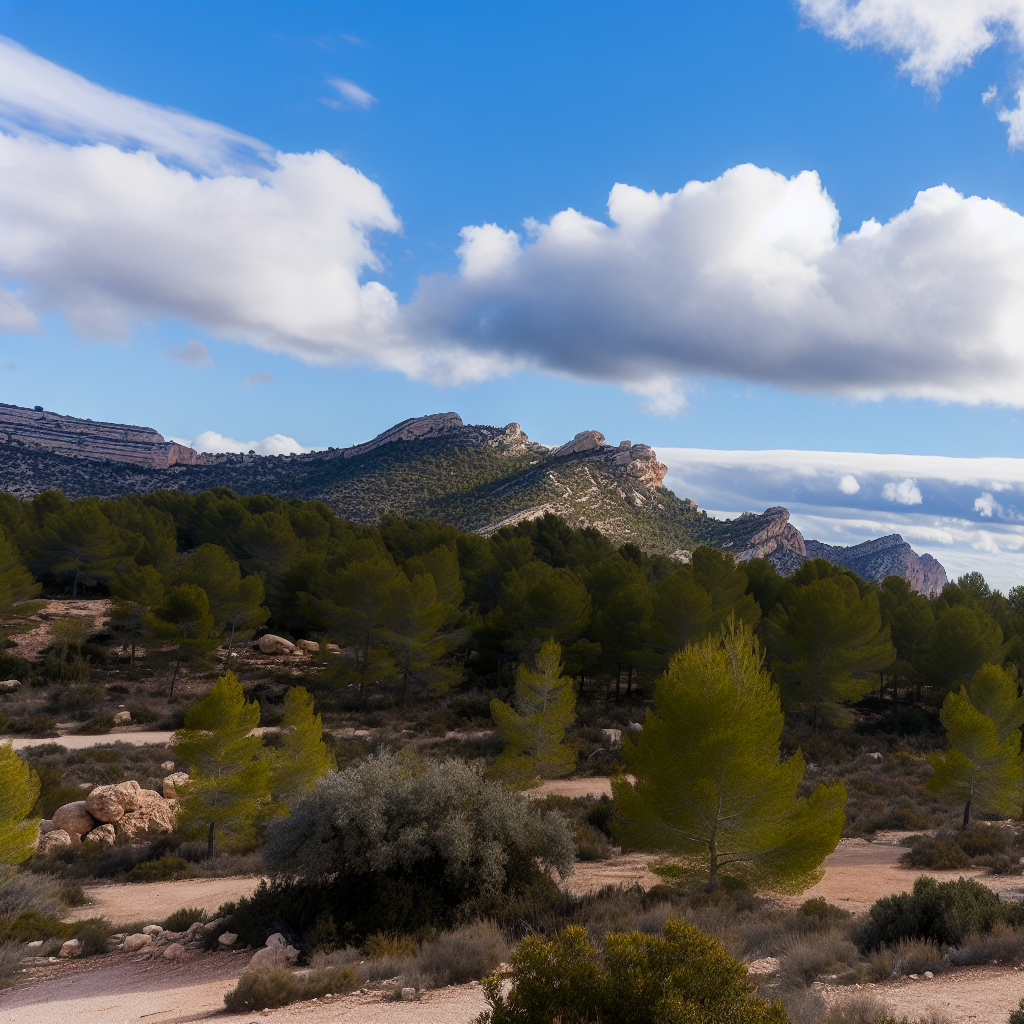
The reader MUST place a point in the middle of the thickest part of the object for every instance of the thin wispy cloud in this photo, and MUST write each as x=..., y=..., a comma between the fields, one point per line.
x=354, y=40
x=936, y=39
x=255, y=379
x=352, y=94
x=193, y=354
x=275, y=444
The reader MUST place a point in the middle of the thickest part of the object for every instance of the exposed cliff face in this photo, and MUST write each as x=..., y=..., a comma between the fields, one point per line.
x=89, y=439
x=885, y=556
x=776, y=533
x=437, y=425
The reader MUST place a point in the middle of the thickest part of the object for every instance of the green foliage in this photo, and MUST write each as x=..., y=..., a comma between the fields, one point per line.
x=710, y=784
x=183, y=621
x=17, y=587
x=184, y=918
x=943, y=912
x=1017, y=1016
x=824, y=642
x=684, y=977
x=397, y=844
x=229, y=775
x=965, y=638
x=19, y=788
x=303, y=757
x=164, y=869
x=983, y=766
x=276, y=986
x=134, y=594
x=534, y=732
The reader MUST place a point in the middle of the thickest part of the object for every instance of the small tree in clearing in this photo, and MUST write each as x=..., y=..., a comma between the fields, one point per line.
x=303, y=757
x=19, y=789
x=229, y=773
x=184, y=621
x=711, y=786
x=534, y=733
x=133, y=595
x=983, y=765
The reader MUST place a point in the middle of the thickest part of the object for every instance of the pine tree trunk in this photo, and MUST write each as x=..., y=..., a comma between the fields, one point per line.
x=618, y=680
x=211, y=842
x=174, y=678
x=713, y=865
x=967, y=814
x=629, y=682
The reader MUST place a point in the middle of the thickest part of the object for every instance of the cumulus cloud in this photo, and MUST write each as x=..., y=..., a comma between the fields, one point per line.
x=905, y=492
x=255, y=379
x=193, y=354
x=15, y=315
x=276, y=444
x=352, y=93
x=927, y=305
x=987, y=505
x=936, y=38
x=848, y=484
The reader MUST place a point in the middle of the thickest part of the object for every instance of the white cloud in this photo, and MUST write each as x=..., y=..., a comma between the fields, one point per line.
x=193, y=354
x=848, y=484
x=352, y=93
x=257, y=378
x=15, y=315
x=905, y=492
x=663, y=396
x=37, y=95
x=936, y=38
x=276, y=444
x=928, y=305
x=987, y=505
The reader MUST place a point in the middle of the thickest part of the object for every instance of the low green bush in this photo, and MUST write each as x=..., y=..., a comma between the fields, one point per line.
x=181, y=920
x=163, y=870
x=683, y=976
x=269, y=988
x=94, y=936
x=981, y=841
x=941, y=853
x=943, y=912
x=31, y=925
x=821, y=908
x=11, y=955
x=592, y=844
x=466, y=954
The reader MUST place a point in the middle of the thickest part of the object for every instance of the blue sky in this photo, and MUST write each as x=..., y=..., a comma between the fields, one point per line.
x=436, y=118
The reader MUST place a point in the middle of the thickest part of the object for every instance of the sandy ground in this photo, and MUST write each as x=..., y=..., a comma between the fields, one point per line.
x=136, y=739
x=154, y=901
x=32, y=642
x=597, y=786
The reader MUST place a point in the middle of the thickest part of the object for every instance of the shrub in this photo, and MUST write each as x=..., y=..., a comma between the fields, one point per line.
x=944, y=912
x=821, y=908
x=1002, y=864
x=396, y=844
x=861, y=1008
x=98, y=725
x=11, y=955
x=1017, y=1016
x=600, y=815
x=981, y=841
x=143, y=715
x=915, y=956
x=27, y=891
x=94, y=936
x=31, y=925
x=181, y=920
x=592, y=844
x=1003, y=945
x=939, y=854
x=271, y=987
x=466, y=954
x=389, y=944
x=639, y=979
x=808, y=957
x=163, y=870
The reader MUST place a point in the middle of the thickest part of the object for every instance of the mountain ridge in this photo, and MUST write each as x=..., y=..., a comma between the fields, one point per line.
x=476, y=477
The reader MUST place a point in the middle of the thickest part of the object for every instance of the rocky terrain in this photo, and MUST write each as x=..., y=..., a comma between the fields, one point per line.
x=475, y=477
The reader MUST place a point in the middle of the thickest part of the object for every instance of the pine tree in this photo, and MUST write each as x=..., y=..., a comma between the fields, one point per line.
x=983, y=766
x=965, y=638
x=19, y=789
x=17, y=588
x=823, y=643
x=303, y=757
x=134, y=594
x=184, y=622
x=534, y=732
x=229, y=787
x=711, y=786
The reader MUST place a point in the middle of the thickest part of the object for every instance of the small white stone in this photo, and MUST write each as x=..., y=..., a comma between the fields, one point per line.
x=152, y=929
x=928, y=974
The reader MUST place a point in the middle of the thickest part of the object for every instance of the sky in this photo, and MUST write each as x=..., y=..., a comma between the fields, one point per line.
x=782, y=242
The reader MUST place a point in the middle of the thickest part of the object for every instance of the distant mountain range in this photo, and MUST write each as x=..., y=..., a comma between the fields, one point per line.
x=477, y=478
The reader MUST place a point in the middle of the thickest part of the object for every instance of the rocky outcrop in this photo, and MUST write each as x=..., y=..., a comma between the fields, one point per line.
x=772, y=531
x=54, y=841
x=639, y=463
x=269, y=643
x=74, y=818
x=885, y=556
x=437, y=425
x=584, y=441
x=123, y=811
x=90, y=439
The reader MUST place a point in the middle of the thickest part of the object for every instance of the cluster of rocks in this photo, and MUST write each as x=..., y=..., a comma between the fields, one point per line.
x=157, y=941
x=269, y=643
x=123, y=811
x=636, y=463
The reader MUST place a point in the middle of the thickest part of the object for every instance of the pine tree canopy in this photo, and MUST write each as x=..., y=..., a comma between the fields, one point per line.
x=19, y=788
x=711, y=786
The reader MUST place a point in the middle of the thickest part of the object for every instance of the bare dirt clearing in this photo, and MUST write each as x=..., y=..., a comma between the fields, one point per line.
x=153, y=901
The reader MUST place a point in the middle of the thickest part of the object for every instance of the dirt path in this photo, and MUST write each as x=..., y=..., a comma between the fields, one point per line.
x=153, y=901
x=973, y=995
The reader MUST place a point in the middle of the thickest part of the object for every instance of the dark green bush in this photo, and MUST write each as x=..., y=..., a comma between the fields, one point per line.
x=981, y=841
x=163, y=870
x=821, y=908
x=94, y=935
x=466, y=954
x=1017, y=1016
x=684, y=976
x=592, y=844
x=942, y=853
x=98, y=725
x=144, y=715
x=944, y=912
x=600, y=815
x=182, y=919
x=31, y=925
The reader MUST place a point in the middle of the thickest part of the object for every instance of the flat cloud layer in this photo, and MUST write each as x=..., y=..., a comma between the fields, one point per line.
x=276, y=444
x=129, y=213
x=968, y=513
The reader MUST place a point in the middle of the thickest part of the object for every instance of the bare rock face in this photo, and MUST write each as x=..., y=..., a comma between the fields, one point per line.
x=309, y=646
x=271, y=644
x=103, y=805
x=885, y=556
x=171, y=784
x=414, y=429
x=89, y=439
x=639, y=462
x=74, y=818
x=123, y=718
x=584, y=441
x=154, y=814
x=777, y=532
x=71, y=948
x=53, y=841
x=10, y=686
x=105, y=834
x=133, y=943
